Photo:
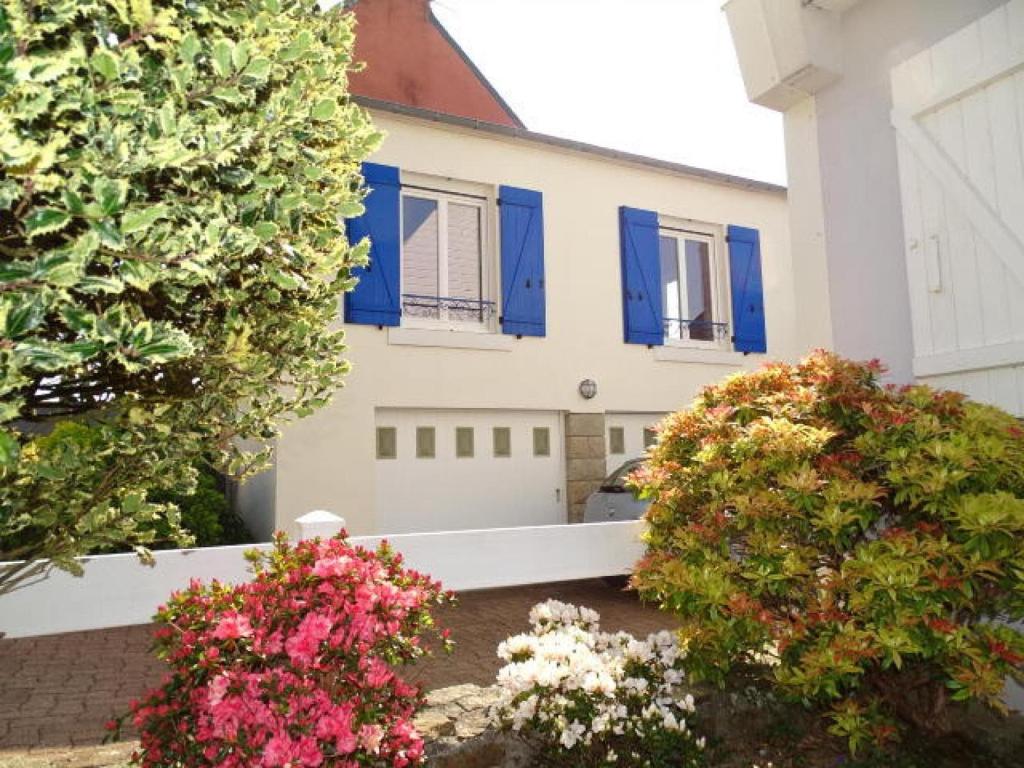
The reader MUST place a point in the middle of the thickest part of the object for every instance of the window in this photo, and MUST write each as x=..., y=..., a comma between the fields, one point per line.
x=690, y=287
x=502, y=442
x=463, y=442
x=426, y=443
x=616, y=440
x=650, y=436
x=541, y=441
x=387, y=443
x=445, y=273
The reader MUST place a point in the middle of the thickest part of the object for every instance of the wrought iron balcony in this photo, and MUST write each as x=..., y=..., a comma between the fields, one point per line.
x=696, y=330
x=447, y=307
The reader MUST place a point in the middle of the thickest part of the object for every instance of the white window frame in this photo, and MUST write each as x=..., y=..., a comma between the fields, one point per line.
x=446, y=192
x=686, y=229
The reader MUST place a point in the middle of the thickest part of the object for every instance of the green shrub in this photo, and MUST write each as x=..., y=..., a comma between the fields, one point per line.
x=854, y=543
x=174, y=178
x=206, y=514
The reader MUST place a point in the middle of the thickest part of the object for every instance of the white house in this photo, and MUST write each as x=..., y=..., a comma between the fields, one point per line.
x=905, y=149
x=533, y=306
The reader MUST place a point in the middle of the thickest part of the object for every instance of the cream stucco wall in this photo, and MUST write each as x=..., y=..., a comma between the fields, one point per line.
x=327, y=461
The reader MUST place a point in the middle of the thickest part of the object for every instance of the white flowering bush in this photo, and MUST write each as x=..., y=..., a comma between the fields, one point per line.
x=592, y=698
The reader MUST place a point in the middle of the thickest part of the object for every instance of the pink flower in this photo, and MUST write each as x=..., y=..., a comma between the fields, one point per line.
x=309, y=753
x=326, y=605
x=232, y=626
x=330, y=567
x=279, y=752
x=370, y=737
x=303, y=647
x=378, y=674
x=217, y=688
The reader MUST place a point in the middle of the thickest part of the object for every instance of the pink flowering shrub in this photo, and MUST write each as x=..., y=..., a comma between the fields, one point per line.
x=296, y=667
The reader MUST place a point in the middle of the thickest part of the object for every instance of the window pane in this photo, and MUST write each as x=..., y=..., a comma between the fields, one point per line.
x=387, y=443
x=419, y=257
x=541, y=441
x=464, y=442
x=464, y=273
x=502, y=442
x=616, y=440
x=426, y=443
x=698, y=290
x=668, y=249
x=650, y=436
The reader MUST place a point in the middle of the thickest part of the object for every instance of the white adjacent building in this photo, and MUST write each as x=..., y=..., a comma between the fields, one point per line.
x=905, y=148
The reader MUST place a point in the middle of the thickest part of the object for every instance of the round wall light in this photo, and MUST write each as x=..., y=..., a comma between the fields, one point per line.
x=588, y=389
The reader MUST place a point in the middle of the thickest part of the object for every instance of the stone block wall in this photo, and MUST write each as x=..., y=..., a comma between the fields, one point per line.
x=585, y=459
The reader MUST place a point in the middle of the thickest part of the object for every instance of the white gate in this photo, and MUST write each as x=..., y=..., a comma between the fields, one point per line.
x=958, y=110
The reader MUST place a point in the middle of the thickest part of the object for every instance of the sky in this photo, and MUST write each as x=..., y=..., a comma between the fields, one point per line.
x=654, y=77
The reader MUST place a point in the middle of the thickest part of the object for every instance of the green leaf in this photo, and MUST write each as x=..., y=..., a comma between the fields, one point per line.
x=44, y=356
x=105, y=64
x=110, y=194
x=72, y=201
x=9, y=449
x=258, y=68
x=265, y=230
x=43, y=221
x=222, y=57
x=95, y=284
x=137, y=220
x=324, y=109
x=189, y=47
x=110, y=235
x=59, y=268
x=283, y=280
x=21, y=314
x=141, y=12
x=350, y=209
x=228, y=95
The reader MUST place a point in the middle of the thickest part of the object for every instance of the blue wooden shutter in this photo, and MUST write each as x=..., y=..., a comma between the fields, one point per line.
x=522, y=262
x=642, y=312
x=748, y=331
x=376, y=300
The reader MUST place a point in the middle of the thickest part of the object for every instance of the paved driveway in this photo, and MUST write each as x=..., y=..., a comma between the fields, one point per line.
x=59, y=690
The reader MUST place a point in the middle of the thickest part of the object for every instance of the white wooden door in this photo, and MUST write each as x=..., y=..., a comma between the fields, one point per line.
x=514, y=478
x=958, y=112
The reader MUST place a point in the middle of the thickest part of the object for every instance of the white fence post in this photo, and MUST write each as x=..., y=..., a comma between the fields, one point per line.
x=320, y=523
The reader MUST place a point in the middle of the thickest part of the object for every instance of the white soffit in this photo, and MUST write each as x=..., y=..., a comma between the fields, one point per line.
x=787, y=49
x=839, y=6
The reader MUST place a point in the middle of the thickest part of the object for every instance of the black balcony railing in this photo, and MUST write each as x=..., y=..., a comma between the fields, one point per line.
x=447, y=307
x=696, y=330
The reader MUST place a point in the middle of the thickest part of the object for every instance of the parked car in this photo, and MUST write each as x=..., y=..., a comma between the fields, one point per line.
x=613, y=500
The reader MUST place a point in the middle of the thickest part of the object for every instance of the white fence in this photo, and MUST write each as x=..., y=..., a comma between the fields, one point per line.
x=118, y=590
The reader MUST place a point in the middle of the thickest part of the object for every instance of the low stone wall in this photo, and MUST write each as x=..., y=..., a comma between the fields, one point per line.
x=454, y=724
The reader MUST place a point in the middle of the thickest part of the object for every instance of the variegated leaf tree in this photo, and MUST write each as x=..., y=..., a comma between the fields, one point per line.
x=174, y=179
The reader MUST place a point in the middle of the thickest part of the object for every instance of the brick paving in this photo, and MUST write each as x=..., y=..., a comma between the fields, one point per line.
x=58, y=691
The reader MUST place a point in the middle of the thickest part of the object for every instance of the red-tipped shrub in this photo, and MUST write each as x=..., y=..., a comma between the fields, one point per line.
x=858, y=545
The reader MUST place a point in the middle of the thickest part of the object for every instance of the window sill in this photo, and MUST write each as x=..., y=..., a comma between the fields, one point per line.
x=426, y=337
x=704, y=356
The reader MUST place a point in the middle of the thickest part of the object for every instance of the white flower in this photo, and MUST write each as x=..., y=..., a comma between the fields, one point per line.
x=566, y=662
x=517, y=645
x=112, y=40
x=572, y=734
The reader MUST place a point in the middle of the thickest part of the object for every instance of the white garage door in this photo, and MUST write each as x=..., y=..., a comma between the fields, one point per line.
x=628, y=435
x=453, y=470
